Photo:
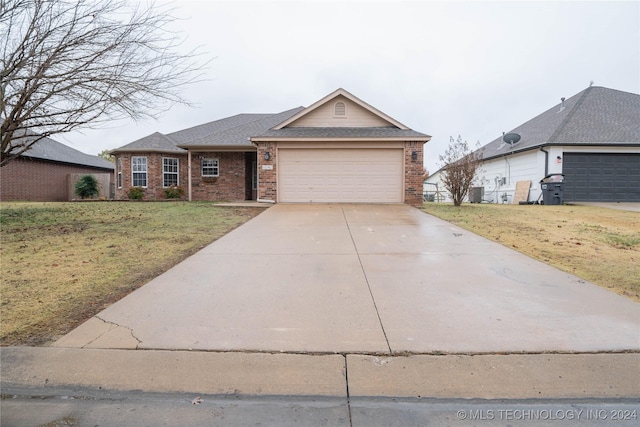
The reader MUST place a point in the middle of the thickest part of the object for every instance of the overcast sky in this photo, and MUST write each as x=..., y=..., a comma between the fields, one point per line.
x=470, y=68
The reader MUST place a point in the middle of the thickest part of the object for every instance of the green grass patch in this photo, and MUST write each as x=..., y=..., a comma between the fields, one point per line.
x=624, y=241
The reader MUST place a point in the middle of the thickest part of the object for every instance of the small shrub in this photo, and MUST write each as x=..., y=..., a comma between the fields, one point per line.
x=87, y=187
x=136, y=193
x=173, y=192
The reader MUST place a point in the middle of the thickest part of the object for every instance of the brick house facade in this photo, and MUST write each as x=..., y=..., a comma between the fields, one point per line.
x=228, y=185
x=339, y=149
x=42, y=174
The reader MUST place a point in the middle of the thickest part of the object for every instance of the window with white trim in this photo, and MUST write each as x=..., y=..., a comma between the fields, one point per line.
x=210, y=167
x=340, y=109
x=119, y=163
x=139, y=171
x=169, y=172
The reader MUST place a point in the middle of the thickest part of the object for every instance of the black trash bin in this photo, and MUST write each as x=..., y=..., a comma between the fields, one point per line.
x=552, y=187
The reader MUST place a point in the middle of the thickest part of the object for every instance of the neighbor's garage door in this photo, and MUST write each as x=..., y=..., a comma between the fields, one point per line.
x=601, y=177
x=340, y=175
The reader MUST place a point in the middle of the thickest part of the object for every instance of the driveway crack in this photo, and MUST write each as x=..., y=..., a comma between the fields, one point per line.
x=346, y=379
x=114, y=325
x=364, y=273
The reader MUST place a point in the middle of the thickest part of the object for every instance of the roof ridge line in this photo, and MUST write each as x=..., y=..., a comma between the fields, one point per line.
x=569, y=116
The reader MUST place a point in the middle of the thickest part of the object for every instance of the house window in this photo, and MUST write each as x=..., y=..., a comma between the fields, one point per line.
x=340, y=109
x=119, y=165
x=210, y=167
x=139, y=171
x=169, y=172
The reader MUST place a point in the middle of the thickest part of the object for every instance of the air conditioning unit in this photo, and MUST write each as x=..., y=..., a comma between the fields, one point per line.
x=476, y=194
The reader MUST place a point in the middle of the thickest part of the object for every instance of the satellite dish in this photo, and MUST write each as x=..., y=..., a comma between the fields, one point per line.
x=511, y=138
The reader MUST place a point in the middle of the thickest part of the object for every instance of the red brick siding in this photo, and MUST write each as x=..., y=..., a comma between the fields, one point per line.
x=36, y=180
x=267, y=179
x=413, y=173
x=154, y=189
x=268, y=188
x=230, y=185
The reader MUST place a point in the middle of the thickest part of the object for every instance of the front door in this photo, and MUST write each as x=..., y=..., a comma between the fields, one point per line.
x=251, y=176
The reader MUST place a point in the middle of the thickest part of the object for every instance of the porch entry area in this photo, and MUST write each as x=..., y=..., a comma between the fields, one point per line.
x=251, y=175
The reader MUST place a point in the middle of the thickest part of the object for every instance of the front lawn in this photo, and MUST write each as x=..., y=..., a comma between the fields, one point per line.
x=599, y=245
x=62, y=263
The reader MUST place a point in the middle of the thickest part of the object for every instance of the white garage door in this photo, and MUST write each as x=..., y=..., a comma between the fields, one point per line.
x=340, y=175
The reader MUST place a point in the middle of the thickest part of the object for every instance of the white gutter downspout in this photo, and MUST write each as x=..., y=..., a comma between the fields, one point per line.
x=189, y=176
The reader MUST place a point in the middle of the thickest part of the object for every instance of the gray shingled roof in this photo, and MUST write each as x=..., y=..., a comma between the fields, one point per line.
x=233, y=131
x=595, y=116
x=236, y=131
x=154, y=142
x=48, y=149
x=343, y=132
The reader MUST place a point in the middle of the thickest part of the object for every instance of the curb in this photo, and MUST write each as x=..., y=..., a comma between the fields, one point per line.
x=509, y=376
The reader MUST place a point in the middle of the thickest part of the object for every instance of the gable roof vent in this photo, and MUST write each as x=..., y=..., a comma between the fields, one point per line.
x=340, y=109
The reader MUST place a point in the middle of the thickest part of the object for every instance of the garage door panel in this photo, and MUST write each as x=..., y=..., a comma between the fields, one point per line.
x=602, y=177
x=340, y=175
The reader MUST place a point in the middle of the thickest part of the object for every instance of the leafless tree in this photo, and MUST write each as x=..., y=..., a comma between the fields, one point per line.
x=69, y=64
x=460, y=167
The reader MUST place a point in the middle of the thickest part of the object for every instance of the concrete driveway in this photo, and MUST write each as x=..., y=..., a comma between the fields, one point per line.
x=363, y=279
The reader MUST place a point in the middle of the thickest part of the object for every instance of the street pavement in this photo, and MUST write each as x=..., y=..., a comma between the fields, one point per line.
x=145, y=409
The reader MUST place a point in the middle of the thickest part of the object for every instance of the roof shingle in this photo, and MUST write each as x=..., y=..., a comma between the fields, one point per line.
x=233, y=131
x=154, y=142
x=51, y=150
x=594, y=116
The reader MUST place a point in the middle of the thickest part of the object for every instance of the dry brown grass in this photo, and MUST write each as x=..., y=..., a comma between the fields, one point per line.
x=597, y=244
x=61, y=263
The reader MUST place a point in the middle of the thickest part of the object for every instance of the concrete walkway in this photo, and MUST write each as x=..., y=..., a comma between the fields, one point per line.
x=374, y=279
x=69, y=386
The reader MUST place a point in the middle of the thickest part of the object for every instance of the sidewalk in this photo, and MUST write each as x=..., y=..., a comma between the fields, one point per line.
x=66, y=386
x=514, y=376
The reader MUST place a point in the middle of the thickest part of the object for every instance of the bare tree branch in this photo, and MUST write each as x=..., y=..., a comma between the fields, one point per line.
x=75, y=64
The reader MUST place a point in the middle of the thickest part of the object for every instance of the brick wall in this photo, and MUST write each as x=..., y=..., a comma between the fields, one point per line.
x=36, y=180
x=154, y=189
x=267, y=178
x=229, y=185
x=232, y=184
x=413, y=173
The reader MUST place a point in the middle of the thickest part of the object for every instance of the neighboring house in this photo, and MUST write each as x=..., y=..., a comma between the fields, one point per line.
x=339, y=149
x=593, y=138
x=46, y=173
